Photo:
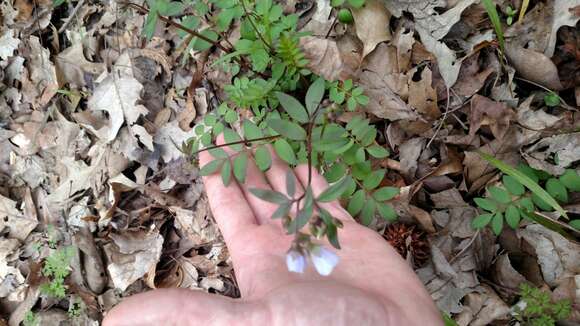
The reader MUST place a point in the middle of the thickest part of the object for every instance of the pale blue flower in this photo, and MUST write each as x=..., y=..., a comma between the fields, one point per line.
x=324, y=260
x=295, y=261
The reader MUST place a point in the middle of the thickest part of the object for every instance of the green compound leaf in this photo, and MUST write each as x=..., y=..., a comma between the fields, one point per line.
x=386, y=193
x=512, y=216
x=334, y=191
x=270, y=196
x=314, y=95
x=294, y=108
x=226, y=172
x=557, y=190
x=513, y=186
x=287, y=129
x=486, y=204
x=377, y=151
x=386, y=211
x=356, y=202
x=497, y=223
x=285, y=151
x=263, y=158
x=526, y=181
x=481, y=221
x=211, y=167
x=500, y=195
x=240, y=164
x=336, y=171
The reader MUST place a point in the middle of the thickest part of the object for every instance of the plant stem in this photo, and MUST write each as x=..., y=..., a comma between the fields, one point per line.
x=243, y=141
x=255, y=27
x=181, y=27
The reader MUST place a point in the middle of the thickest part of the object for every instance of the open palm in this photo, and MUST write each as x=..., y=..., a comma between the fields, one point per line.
x=372, y=284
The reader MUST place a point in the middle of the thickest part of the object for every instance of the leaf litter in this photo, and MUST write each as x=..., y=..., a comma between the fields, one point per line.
x=92, y=117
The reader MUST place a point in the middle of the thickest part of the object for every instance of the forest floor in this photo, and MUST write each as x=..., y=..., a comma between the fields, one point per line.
x=96, y=194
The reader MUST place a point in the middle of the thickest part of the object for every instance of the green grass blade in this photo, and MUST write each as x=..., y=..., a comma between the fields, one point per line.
x=495, y=21
x=526, y=181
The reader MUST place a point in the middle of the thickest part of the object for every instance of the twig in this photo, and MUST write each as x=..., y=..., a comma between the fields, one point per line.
x=72, y=15
x=442, y=121
x=181, y=27
x=566, y=106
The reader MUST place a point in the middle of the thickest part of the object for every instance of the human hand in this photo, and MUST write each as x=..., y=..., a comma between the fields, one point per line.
x=371, y=285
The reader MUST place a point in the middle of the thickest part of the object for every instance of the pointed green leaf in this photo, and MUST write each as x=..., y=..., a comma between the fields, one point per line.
x=513, y=186
x=557, y=190
x=332, y=236
x=356, y=202
x=218, y=152
x=269, y=195
x=368, y=212
x=336, y=171
x=334, y=191
x=263, y=158
x=314, y=95
x=240, y=164
x=290, y=183
x=526, y=204
x=287, y=129
x=374, y=179
x=500, y=195
x=571, y=180
x=294, y=109
x=512, y=216
x=497, y=223
x=285, y=151
x=486, y=204
x=210, y=168
x=251, y=131
x=386, y=193
x=377, y=151
x=282, y=211
x=226, y=172
x=481, y=221
x=386, y=211
x=575, y=224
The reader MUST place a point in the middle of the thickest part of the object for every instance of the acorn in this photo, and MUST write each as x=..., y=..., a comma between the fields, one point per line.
x=345, y=16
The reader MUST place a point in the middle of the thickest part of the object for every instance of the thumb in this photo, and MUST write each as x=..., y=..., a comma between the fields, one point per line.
x=178, y=307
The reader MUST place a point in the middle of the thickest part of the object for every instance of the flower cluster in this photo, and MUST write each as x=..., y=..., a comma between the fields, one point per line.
x=323, y=259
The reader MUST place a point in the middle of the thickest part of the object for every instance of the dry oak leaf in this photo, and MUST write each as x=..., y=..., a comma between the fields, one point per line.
x=11, y=219
x=485, y=112
x=72, y=66
x=534, y=66
x=327, y=60
x=372, y=24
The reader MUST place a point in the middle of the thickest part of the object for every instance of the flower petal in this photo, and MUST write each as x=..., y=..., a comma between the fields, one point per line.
x=295, y=261
x=324, y=260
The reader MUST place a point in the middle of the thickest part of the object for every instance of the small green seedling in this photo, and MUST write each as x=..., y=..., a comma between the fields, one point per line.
x=538, y=309
x=552, y=99
x=511, y=14
x=56, y=268
x=30, y=319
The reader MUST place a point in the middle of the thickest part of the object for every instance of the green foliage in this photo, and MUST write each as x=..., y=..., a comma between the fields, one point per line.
x=552, y=99
x=510, y=202
x=292, y=113
x=56, y=268
x=75, y=308
x=345, y=16
x=539, y=309
x=511, y=13
x=489, y=6
x=30, y=319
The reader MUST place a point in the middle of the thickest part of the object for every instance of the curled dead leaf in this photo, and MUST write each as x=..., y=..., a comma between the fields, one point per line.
x=534, y=66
